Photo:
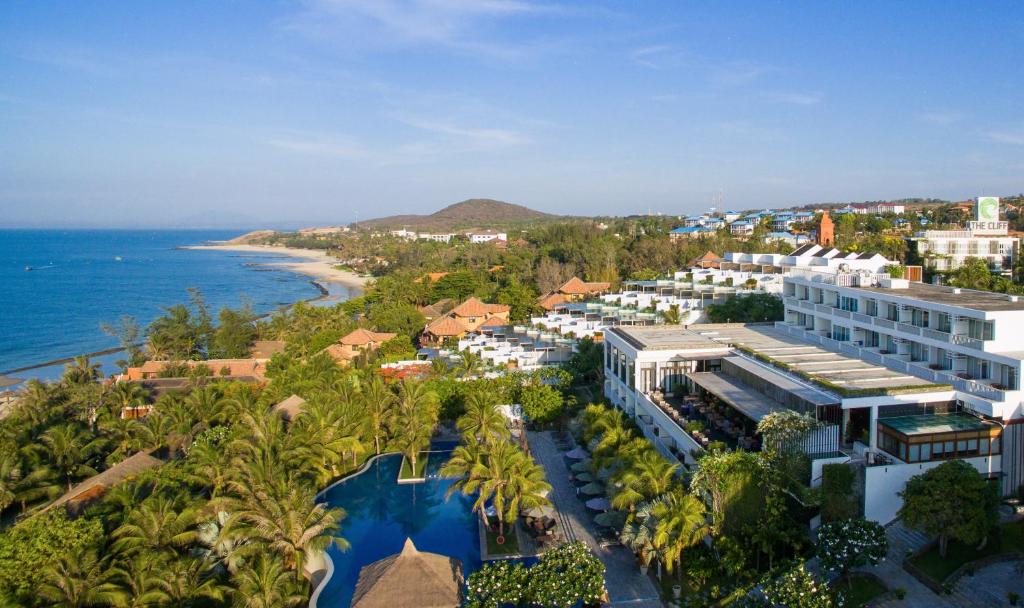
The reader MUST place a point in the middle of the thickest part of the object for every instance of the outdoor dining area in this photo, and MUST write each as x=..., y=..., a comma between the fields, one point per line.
x=707, y=419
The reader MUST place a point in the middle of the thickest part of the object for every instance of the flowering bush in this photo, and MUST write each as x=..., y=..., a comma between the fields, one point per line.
x=851, y=543
x=496, y=584
x=564, y=577
x=797, y=588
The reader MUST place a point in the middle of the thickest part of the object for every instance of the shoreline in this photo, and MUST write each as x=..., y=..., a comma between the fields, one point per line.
x=315, y=263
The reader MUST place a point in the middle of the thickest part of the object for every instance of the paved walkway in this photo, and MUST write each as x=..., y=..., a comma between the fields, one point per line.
x=986, y=588
x=626, y=586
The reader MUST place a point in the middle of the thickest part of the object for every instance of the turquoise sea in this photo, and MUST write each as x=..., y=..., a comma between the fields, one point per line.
x=82, y=278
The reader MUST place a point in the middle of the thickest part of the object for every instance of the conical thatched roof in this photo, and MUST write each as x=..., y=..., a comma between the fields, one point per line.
x=410, y=579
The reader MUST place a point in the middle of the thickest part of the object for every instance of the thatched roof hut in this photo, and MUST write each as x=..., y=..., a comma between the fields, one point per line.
x=410, y=579
x=97, y=485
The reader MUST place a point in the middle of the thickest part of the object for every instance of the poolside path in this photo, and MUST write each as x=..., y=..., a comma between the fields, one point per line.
x=626, y=586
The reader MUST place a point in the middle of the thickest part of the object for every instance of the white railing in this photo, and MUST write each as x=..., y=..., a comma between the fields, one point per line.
x=909, y=329
x=895, y=363
x=968, y=342
x=884, y=323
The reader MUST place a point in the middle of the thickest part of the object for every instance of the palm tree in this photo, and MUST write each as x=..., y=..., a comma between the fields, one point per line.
x=155, y=527
x=377, y=402
x=35, y=403
x=638, y=535
x=506, y=476
x=138, y=582
x=671, y=316
x=219, y=546
x=463, y=466
x=483, y=421
x=439, y=367
x=648, y=475
x=68, y=450
x=415, y=420
x=186, y=580
x=681, y=523
x=10, y=475
x=470, y=364
x=266, y=584
x=287, y=519
x=77, y=580
x=81, y=371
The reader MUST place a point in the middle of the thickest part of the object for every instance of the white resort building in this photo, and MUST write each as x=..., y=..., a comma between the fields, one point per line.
x=986, y=238
x=903, y=376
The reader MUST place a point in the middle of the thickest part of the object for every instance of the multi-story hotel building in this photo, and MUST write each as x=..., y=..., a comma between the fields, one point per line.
x=902, y=376
x=986, y=238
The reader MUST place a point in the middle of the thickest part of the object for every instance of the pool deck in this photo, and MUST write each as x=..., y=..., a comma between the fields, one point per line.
x=626, y=586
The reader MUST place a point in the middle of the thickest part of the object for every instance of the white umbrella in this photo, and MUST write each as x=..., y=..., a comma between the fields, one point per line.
x=599, y=504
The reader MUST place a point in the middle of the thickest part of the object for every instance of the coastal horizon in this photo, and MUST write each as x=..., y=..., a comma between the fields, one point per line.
x=46, y=362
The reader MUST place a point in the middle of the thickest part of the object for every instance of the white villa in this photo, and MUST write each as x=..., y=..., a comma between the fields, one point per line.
x=518, y=346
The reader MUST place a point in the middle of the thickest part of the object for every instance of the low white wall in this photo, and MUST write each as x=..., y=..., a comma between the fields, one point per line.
x=668, y=428
x=883, y=483
x=818, y=464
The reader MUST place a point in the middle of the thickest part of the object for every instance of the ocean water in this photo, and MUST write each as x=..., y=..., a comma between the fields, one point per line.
x=82, y=278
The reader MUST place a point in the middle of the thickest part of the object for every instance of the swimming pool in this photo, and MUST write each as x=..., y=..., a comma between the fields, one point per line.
x=381, y=514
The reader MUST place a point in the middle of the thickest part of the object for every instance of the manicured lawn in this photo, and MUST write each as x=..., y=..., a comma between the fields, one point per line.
x=421, y=465
x=865, y=589
x=1009, y=538
x=511, y=546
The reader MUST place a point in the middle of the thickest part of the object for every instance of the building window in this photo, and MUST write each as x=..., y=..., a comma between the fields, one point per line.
x=840, y=333
x=848, y=303
x=944, y=322
x=871, y=307
x=892, y=312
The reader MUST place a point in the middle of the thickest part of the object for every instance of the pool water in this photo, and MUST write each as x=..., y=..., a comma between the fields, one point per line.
x=381, y=514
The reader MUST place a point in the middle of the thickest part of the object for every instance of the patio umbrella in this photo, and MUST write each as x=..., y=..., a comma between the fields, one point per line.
x=582, y=466
x=577, y=454
x=592, y=489
x=541, y=511
x=610, y=519
x=599, y=504
x=604, y=474
x=584, y=476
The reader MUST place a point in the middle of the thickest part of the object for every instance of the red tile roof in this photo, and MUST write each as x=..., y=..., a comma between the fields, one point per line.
x=473, y=307
x=446, y=326
x=577, y=287
x=551, y=300
x=363, y=337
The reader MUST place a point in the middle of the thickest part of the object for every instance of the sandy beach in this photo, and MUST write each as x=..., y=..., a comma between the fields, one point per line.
x=310, y=262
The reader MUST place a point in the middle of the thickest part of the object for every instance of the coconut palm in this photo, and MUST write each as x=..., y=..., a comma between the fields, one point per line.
x=184, y=581
x=377, y=402
x=681, y=523
x=463, y=466
x=648, y=475
x=266, y=584
x=78, y=579
x=219, y=546
x=416, y=416
x=81, y=371
x=138, y=583
x=158, y=525
x=10, y=476
x=286, y=519
x=483, y=421
x=505, y=476
x=36, y=403
x=68, y=450
x=470, y=364
x=638, y=535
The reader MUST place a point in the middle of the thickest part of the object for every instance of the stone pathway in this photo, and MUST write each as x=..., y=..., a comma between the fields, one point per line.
x=626, y=586
x=987, y=588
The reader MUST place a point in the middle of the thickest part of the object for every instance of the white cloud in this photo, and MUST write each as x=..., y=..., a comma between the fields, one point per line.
x=798, y=99
x=1008, y=136
x=476, y=136
x=452, y=24
x=334, y=147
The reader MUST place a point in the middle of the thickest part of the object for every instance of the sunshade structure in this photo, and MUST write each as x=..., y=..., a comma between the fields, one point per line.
x=541, y=511
x=592, y=489
x=610, y=519
x=599, y=504
x=584, y=477
x=582, y=466
x=604, y=474
x=577, y=454
x=410, y=579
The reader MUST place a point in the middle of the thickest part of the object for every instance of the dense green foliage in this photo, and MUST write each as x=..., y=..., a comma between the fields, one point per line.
x=751, y=308
x=951, y=502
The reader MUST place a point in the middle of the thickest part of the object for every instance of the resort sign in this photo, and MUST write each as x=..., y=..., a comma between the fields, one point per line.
x=986, y=213
x=987, y=209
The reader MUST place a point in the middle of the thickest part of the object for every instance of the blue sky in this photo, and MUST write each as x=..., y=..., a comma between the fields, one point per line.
x=287, y=113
